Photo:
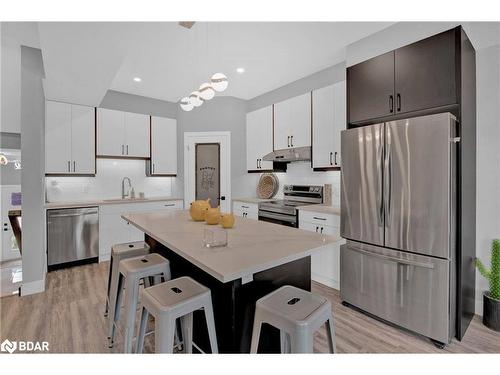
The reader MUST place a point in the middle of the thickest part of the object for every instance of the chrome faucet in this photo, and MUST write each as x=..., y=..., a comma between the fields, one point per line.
x=123, y=187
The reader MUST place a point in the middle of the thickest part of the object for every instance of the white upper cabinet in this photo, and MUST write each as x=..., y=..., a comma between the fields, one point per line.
x=69, y=138
x=329, y=118
x=137, y=135
x=292, y=122
x=163, y=146
x=83, y=139
x=122, y=134
x=259, y=138
x=110, y=132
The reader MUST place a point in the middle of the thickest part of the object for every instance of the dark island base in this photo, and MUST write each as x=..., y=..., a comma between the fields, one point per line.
x=234, y=302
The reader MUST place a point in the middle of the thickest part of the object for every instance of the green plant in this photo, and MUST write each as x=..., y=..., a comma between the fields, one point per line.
x=493, y=275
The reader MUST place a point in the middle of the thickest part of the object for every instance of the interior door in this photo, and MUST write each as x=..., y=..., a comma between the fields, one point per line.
x=83, y=139
x=371, y=88
x=417, y=176
x=425, y=73
x=361, y=184
x=57, y=137
x=137, y=135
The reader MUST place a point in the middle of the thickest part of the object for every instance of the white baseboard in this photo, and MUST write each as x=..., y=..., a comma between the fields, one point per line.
x=33, y=287
x=326, y=281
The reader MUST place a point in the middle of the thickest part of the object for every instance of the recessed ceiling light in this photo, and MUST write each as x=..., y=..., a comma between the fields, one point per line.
x=240, y=70
x=137, y=79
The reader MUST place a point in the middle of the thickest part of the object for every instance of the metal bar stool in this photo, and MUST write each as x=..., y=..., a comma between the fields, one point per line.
x=118, y=253
x=171, y=300
x=132, y=271
x=297, y=314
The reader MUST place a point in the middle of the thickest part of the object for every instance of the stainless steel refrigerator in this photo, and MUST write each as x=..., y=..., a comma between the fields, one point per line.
x=398, y=202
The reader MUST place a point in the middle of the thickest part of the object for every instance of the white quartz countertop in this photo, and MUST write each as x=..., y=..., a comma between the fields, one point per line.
x=320, y=208
x=101, y=202
x=253, y=245
x=253, y=200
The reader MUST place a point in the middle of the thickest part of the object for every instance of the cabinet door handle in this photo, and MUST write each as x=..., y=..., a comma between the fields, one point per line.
x=74, y=166
x=123, y=148
x=330, y=158
x=260, y=163
x=335, y=158
x=127, y=149
x=288, y=141
x=321, y=230
x=153, y=167
x=391, y=103
x=291, y=140
x=399, y=102
x=69, y=166
x=319, y=218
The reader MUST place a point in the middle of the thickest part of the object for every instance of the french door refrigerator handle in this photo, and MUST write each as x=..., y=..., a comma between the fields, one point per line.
x=387, y=177
x=380, y=195
x=393, y=259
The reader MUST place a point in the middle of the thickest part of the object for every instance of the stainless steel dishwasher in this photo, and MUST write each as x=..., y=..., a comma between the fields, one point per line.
x=72, y=236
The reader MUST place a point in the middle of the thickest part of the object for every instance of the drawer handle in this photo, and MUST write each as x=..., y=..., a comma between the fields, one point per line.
x=319, y=218
x=245, y=207
x=170, y=205
x=394, y=259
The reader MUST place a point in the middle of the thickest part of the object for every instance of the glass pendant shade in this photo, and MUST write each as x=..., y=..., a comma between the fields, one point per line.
x=186, y=104
x=195, y=98
x=206, y=91
x=219, y=82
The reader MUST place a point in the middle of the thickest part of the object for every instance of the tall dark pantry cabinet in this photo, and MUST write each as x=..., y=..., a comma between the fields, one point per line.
x=433, y=75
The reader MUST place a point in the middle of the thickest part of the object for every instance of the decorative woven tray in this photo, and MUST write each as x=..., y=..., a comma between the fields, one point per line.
x=268, y=186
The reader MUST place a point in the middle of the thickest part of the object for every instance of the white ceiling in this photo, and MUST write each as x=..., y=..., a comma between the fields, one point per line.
x=83, y=60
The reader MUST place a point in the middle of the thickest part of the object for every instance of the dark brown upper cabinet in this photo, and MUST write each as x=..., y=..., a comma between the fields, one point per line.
x=417, y=77
x=425, y=73
x=371, y=88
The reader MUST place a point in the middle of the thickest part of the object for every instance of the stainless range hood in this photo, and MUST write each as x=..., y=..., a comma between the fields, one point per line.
x=288, y=155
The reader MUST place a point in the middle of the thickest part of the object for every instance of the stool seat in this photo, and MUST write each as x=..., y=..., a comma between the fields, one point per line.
x=145, y=264
x=172, y=300
x=175, y=292
x=131, y=271
x=292, y=303
x=297, y=313
x=129, y=248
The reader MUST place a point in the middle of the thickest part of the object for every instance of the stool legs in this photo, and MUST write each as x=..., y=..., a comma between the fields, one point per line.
x=131, y=297
x=285, y=342
x=139, y=345
x=330, y=335
x=187, y=332
x=257, y=324
x=164, y=334
x=302, y=341
x=209, y=317
x=110, y=287
x=115, y=311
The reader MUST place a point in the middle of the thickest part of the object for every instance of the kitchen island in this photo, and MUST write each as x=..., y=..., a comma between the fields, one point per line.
x=259, y=258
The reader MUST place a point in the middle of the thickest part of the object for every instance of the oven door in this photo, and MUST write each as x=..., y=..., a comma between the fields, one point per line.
x=277, y=218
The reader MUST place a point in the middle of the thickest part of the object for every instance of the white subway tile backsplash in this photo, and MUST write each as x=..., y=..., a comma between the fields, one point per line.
x=107, y=183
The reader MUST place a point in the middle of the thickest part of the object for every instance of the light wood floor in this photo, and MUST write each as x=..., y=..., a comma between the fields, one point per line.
x=69, y=315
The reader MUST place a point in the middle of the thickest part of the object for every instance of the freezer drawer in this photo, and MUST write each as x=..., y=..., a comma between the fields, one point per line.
x=409, y=290
x=72, y=234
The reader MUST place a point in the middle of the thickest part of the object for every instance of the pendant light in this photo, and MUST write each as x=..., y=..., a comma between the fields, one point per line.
x=186, y=104
x=206, y=91
x=195, y=99
x=219, y=82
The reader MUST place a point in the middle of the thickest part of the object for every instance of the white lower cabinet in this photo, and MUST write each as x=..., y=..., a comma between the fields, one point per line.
x=113, y=229
x=325, y=264
x=246, y=210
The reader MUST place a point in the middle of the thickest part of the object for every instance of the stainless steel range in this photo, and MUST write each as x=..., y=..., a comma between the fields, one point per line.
x=284, y=211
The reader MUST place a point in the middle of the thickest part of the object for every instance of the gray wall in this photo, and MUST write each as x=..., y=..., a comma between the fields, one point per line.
x=32, y=175
x=222, y=113
x=317, y=80
x=138, y=104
